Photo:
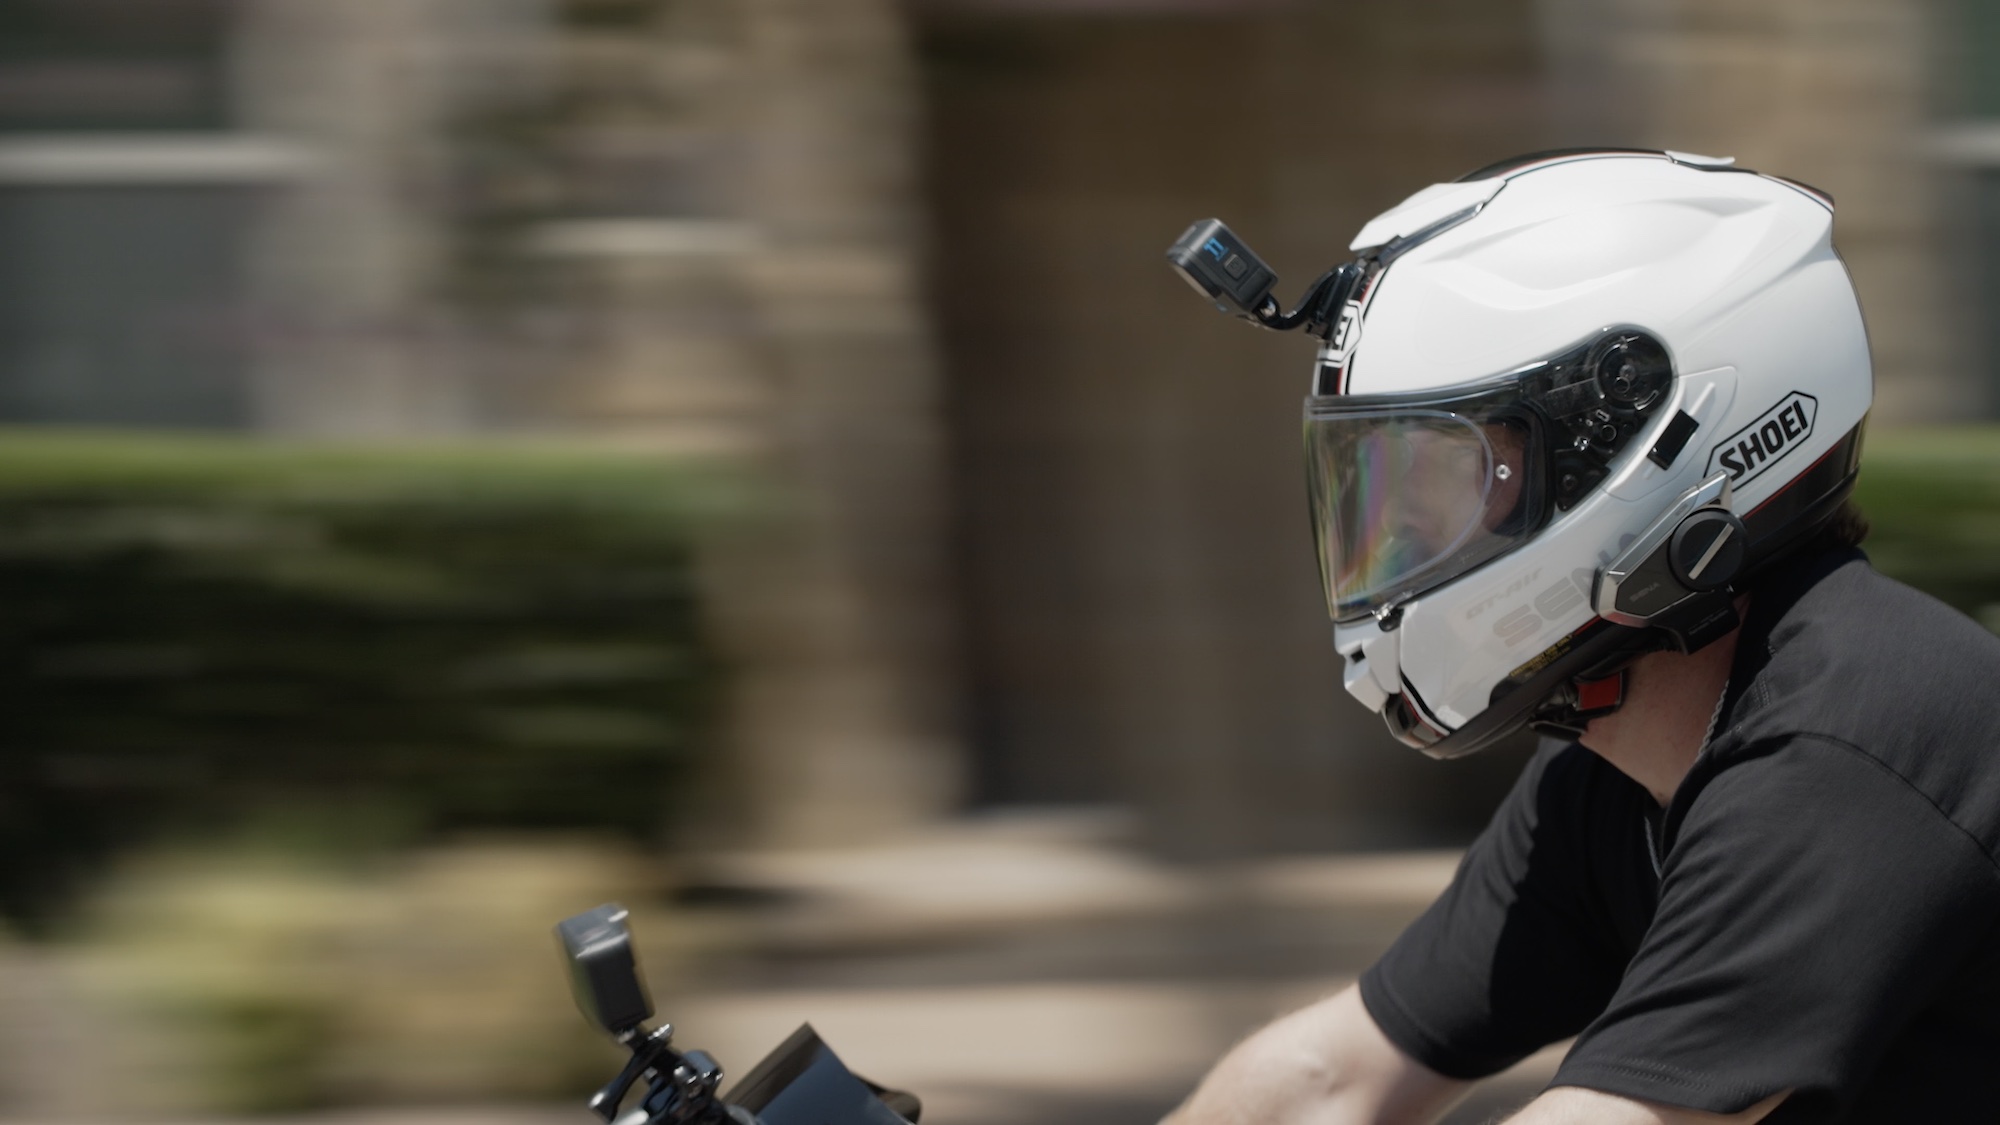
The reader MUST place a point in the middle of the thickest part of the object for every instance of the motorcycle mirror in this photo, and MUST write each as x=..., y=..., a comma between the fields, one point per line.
x=603, y=973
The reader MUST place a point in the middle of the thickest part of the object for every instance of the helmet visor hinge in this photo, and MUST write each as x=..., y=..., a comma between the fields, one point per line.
x=1389, y=614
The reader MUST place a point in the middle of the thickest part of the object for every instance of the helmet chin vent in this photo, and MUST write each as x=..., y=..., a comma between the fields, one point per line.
x=1409, y=727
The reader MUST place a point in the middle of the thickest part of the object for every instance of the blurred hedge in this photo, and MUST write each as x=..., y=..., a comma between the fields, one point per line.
x=1932, y=498
x=208, y=634
x=201, y=635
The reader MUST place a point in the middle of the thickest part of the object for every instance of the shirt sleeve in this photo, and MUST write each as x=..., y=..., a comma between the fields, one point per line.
x=1522, y=949
x=1812, y=903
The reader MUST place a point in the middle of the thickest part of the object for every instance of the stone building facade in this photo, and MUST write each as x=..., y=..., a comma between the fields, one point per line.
x=1042, y=538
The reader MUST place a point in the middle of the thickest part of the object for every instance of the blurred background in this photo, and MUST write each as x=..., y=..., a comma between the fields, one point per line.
x=467, y=460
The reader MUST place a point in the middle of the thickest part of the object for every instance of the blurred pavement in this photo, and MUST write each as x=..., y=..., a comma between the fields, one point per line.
x=1006, y=970
x=1028, y=969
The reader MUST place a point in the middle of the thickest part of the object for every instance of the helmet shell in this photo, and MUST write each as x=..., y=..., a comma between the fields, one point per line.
x=1732, y=271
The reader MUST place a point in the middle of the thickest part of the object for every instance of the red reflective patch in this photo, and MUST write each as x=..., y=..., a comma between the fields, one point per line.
x=1600, y=695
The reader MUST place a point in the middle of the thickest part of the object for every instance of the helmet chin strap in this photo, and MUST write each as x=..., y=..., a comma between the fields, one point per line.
x=1569, y=712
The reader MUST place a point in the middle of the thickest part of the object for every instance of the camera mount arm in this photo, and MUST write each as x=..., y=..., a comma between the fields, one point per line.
x=1210, y=257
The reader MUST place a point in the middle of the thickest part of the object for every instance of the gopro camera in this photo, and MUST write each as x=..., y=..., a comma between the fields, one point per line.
x=1221, y=268
x=801, y=1083
x=603, y=973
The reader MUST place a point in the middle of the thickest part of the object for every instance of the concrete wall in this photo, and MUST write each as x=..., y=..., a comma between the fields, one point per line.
x=1141, y=600
x=1834, y=94
x=688, y=226
x=353, y=331
x=848, y=708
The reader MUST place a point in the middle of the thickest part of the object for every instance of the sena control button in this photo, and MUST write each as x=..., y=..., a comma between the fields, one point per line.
x=1707, y=549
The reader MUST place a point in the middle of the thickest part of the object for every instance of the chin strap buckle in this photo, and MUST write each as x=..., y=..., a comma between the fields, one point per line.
x=1596, y=698
x=1570, y=709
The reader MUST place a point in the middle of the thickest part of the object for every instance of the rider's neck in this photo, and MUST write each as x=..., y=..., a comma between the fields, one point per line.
x=1669, y=698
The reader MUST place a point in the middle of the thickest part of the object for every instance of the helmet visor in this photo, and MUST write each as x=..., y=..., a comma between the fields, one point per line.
x=1404, y=499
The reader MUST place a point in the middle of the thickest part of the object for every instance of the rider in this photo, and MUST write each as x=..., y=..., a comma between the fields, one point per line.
x=1579, y=448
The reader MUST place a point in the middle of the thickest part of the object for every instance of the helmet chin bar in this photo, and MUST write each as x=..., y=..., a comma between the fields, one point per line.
x=1669, y=589
x=1547, y=699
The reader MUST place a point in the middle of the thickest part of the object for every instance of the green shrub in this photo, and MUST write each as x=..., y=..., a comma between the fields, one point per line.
x=239, y=982
x=339, y=645
x=1932, y=498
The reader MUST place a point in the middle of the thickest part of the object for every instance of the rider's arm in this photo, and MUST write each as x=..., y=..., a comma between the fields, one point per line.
x=1327, y=1064
x=1573, y=1105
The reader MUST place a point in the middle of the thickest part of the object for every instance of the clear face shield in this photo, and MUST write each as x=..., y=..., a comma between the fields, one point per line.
x=1411, y=491
x=1407, y=499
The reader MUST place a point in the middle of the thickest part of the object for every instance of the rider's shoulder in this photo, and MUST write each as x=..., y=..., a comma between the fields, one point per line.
x=1842, y=655
x=1831, y=628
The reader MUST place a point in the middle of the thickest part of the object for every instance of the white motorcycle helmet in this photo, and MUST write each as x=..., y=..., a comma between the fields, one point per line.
x=1566, y=408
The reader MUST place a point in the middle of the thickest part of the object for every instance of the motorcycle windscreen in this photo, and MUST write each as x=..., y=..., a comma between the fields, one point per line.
x=804, y=1083
x=1407, y=499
